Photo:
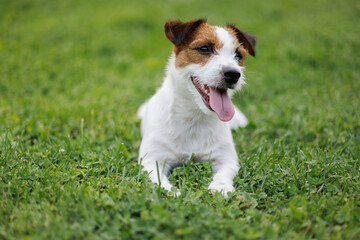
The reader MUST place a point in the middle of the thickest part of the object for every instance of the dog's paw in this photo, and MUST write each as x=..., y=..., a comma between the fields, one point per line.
x=223, y=188
x=171, y=190
x=176, y=193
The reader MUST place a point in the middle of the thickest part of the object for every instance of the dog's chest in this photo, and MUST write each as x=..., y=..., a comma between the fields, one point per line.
x=198, y=138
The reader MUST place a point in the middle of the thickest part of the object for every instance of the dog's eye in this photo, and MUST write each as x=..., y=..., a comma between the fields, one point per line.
x=205, y=50
x=238, y=55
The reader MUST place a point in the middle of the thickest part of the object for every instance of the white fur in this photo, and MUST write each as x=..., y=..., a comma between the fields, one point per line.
x=176, y=123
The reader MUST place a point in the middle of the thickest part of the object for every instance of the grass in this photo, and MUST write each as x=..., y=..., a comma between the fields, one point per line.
x=73, y=73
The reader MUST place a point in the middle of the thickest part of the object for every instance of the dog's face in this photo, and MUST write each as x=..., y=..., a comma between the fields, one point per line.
x=211, y=61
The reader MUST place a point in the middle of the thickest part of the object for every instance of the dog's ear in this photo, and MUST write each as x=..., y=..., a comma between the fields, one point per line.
x=177, y=31
x=247, y=39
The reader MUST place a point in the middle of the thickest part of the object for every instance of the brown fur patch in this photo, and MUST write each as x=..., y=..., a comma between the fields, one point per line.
x=245, y=38
x=188, y=37
x=243, y=53
x=177, y=31
x=188, y=53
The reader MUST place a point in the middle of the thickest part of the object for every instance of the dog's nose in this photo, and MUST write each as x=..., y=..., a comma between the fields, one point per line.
x=231, y=76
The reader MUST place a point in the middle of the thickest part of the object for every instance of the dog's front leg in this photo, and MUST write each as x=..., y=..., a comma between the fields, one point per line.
x=158, y=172
x=224, y=172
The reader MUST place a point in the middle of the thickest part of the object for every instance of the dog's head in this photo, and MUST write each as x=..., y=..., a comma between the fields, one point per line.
x=211, y=61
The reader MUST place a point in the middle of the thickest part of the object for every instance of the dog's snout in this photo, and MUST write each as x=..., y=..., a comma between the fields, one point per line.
x=231, y=76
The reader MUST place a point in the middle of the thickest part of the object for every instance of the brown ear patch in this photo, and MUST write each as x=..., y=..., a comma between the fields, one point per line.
x=178, y=31
x=247, y=39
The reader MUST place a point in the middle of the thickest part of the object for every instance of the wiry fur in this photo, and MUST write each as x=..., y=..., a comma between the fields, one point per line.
x=176, y=123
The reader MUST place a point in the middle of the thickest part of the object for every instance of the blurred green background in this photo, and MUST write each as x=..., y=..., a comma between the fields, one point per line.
x=73, y=73
x=98, y=58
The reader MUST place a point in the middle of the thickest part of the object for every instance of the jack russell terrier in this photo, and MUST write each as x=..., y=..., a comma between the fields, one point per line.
x=192, y=113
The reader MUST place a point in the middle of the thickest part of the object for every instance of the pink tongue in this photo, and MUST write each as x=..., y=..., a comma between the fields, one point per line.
x=220, y=102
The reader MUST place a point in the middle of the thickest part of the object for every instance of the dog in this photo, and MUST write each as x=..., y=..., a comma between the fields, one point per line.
x=192, y=113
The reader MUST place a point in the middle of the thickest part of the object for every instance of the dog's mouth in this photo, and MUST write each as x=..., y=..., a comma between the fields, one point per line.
x=216, y=99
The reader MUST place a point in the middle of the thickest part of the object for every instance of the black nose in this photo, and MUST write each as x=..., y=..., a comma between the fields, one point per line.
x=231, y=76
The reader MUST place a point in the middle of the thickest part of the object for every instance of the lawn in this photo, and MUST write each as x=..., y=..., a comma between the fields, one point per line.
x=73, y=73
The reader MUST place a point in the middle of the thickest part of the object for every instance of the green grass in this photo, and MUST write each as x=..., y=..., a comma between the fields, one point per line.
x=73, y=73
